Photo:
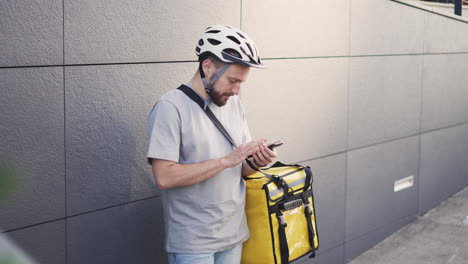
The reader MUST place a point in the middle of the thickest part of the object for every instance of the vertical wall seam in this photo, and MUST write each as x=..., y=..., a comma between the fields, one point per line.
x=420, y=135
x=347, y=132
x=349, y=78
x=240, y=26
x=421, y=101
x=64, y=131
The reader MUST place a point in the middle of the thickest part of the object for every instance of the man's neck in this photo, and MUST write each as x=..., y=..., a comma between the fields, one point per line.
x=197, y=85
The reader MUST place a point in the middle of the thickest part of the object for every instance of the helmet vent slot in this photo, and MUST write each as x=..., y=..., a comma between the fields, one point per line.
x=197, y=49
x=232, y=52
x=243, y=50
x=234, y=39
x=201, y=42
x=214, y=31
x=214, y=41
x=242, y=36
x=250, y=48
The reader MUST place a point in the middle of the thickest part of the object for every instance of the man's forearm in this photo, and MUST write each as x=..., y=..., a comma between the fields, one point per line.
x=246, y=169
x=170, y=174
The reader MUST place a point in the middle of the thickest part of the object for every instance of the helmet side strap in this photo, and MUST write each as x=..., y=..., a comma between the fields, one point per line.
x=209, y=86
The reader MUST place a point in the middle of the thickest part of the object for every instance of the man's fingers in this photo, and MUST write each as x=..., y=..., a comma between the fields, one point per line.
x=253, y=144
x=259, y=142
x=250, y=152
x=247, y=149
x=264, y=156
x=270, y=153
x=260, y=156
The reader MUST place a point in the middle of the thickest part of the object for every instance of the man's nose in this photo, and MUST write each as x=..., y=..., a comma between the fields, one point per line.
x=236, y=89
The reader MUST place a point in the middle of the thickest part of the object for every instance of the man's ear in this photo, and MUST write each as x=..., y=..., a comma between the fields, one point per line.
x=207, y=66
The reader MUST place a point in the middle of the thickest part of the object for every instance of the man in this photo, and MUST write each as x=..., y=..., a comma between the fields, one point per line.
x=196, y=168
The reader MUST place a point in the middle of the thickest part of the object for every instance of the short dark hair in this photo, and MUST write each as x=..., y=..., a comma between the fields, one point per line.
x=215, y=60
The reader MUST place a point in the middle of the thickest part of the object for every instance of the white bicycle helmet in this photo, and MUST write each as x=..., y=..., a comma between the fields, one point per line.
x=228, y=44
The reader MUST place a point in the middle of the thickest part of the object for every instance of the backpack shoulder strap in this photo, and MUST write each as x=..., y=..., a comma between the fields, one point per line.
x=197, y=99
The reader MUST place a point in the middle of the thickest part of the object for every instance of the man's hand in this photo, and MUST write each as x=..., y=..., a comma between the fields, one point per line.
x=263, y=156
x=242, y=152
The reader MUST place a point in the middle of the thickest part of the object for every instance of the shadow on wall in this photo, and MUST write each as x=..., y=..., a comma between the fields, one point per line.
x=107, y=171
x=106, y=138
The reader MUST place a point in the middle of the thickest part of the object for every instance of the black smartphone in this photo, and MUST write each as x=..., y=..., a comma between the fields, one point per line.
x=275, y=145
x=271, y=146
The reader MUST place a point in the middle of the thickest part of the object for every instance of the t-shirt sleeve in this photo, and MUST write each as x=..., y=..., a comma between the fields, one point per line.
x=164, y=132
x=246, y=137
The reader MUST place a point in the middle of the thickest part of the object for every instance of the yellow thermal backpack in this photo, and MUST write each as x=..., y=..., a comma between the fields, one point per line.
x=280, y=215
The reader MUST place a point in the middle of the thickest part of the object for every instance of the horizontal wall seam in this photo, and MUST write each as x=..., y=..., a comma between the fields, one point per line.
x=401, y=220
x=385, y=142
x=97, y=64
x=370, y=55
x=343, y=244
x=321, y=157
x=268, y=59
x=442, y=128
x=80, y=214
x=33, y=225
x=320, y=252
x=380, y=143
x=113, y=206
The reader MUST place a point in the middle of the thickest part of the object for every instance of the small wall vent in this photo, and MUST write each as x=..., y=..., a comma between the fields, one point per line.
x=403, y=183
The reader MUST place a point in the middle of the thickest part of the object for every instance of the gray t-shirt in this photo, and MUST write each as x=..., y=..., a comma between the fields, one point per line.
x=208, y=216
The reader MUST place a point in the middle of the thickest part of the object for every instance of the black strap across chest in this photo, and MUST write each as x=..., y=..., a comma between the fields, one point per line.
x=197, y=99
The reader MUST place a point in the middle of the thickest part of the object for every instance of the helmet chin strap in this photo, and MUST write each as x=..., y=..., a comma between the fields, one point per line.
x=209, y=85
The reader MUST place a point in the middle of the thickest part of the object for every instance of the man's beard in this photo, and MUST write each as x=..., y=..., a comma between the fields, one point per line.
x=218, y=98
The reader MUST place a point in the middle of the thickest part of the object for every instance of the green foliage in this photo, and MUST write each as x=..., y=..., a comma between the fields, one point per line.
x=7, y=180
x=9, y=259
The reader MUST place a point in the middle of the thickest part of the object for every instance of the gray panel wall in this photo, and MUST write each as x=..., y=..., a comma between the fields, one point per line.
x=106, y=109
x=45, y=242
x=31, y=32
x=367, y=92
x=32, y=141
